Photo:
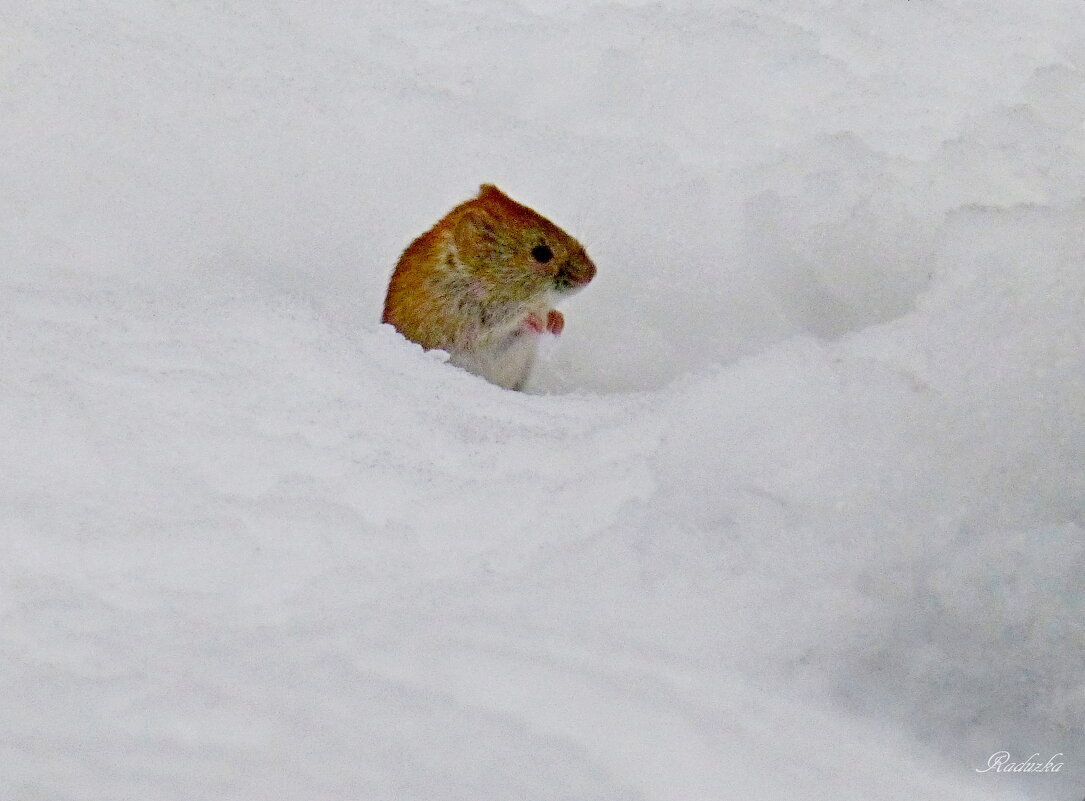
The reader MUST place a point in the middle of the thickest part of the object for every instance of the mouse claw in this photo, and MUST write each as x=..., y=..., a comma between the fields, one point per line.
x=555, y=322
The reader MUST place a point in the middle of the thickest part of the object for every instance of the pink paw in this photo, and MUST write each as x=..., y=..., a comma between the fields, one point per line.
x=535, y=324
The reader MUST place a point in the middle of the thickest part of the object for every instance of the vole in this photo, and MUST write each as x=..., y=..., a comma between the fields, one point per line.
x=482, y=284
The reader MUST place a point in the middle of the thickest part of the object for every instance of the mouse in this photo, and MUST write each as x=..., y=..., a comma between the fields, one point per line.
x=482, y=284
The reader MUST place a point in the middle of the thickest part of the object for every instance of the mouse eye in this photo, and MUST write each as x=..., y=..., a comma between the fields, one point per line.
x=542, y=253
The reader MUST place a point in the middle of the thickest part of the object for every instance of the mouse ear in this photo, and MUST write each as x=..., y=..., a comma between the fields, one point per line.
x=489, y=190
x=476, y=234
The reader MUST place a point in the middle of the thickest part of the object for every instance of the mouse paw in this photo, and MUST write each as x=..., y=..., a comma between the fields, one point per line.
x=533, y=324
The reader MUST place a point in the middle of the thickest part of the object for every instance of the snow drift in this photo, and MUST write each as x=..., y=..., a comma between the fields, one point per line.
x=795, y=509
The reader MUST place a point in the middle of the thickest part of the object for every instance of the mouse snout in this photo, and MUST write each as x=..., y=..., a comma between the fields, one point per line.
x=575, y=273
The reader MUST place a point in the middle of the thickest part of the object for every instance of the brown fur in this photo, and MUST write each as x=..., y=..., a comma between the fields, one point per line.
x=472, y=285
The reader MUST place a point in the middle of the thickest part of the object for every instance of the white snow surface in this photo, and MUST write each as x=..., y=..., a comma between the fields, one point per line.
x=795, y=509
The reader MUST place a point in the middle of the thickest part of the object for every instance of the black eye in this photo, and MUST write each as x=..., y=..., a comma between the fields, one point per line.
x=542, y=253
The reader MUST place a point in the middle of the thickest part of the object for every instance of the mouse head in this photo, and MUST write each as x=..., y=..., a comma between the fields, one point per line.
x=511, y=245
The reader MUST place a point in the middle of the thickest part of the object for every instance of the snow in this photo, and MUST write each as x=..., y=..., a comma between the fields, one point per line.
x=795, y=508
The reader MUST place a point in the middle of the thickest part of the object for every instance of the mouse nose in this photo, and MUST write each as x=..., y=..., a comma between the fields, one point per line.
x=577, y=272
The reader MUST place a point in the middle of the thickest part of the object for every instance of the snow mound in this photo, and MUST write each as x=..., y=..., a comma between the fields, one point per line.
x=795, y=507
